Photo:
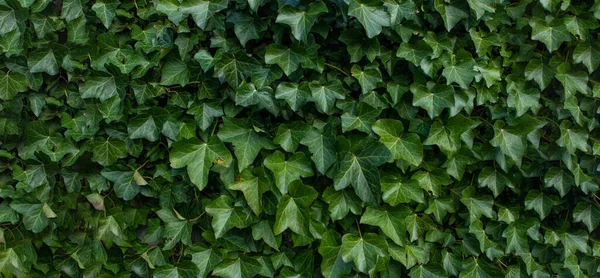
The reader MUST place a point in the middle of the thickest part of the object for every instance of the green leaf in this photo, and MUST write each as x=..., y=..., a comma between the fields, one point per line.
x=225, y=216
x=430, y=271
x=333, y=264
x=373, y=18
x=560, y=179
x=176, y=230
x=242, y=267
x=34, y=218
x=300, y=21
x=292, y=210
x=206, y=112
x=588, y=214
x=11, y=84
x=587, y=54
x=322, y=147
x=367, y=77
x=246, y=142
x=494, y=179
x=552, y=35
x=509, y=141
x=540, y=72
x=391, y=222
x=287, y=171
x=174, y=72
x=248, y=95
x=233, y=67
x=247, y=27
x=325, y=95
x=289, y=135
x=397, y=191
x=451, y=15
x=516, y=237
x=199, y=157
x=206, y=259
x=202, y=10
x=460, y=72
x=185, y=269
x=572, y=138
x=540, y=202
x=341, y=202
x=477, y=205
x=253, y=188
x=432, y=181
x=107, y=152
x=286, y=58
x=364, y=251
x=124, y=183
x=403, y=146
x=434, y=101
x=105, y=11
x=43, y=60
x=296, y=95
x=100, y=87
x=359, y=168
x=572, y=81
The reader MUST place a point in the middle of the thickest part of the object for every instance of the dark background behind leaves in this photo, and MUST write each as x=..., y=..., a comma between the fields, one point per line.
x=296, y=138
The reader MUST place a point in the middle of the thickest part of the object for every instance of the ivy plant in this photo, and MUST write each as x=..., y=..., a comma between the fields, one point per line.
x=299, y=138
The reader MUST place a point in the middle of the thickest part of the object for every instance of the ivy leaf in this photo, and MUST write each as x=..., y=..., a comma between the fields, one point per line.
x=552, y=35
x=289, y=135
x=11, y=84
x=300, y=21
x=225, y=216
x=373, y=18
x=540, y=202
x=391, y=222
x=287, y=171
x=296, y=95
x=202, y=10
x=341, y=202
x=286, y=58
x=34, y=218
x=572, y=81
x=509, y=141
x=572, y=138
x=124, y=183
x=184, y=269
x=322, y=147
x=422, y=271
x=206, y=112
x=247, y=143
x=107, y=152
x=333, y=264
x=174, y=72
x=588, y=214
x=105, y=11
x=450, y=14
x=587, y=54
x=561, y=180
x=359, y=168
x=460, y=71
x=397, y=191
x=100, y=87
x=206, y=259
x=176, y=229
x=432, y=101
x=248, y=95
x=325, y=95
x=432, y=180
x=367, y=77
x=247, y=27
x=402, y=146
x=292, y=210
x=199, y=157
x=242, y=267
x=540, y=72
x=516, y=237
x=494, y=179
x=364, y=251
x=43, y=60
x=233, y=67
x=477, y=205
x=252, y=187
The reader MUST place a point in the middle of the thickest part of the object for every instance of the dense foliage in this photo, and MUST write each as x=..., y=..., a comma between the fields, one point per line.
x=234, y=138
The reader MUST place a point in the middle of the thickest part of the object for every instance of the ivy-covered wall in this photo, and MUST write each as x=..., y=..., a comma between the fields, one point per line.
x=299, y=138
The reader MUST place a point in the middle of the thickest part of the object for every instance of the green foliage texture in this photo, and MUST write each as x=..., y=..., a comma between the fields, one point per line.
x=299, y=138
